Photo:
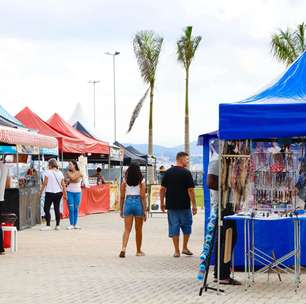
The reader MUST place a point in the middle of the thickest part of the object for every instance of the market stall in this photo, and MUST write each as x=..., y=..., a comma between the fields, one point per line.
x=261, y=154
x=72, y=145
x=19, y=178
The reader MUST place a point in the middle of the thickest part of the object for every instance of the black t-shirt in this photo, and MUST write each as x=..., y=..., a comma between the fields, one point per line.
x=177, y=180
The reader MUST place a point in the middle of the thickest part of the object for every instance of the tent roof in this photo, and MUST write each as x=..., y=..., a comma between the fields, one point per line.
x=91, y=145
x=136, y=152
x=78, y=126
x=6, y=119
x=279, y=110
x=130, y=156
x=33, y=121
x=80, y=115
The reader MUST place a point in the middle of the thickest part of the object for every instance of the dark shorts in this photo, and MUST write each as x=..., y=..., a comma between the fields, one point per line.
x=179, y=219
x=133, y=206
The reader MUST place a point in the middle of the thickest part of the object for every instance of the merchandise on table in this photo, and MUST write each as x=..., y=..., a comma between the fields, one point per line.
x=262, y=176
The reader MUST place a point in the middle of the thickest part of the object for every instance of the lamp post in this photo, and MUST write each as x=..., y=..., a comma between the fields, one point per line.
x=94, y=82
x=114, y=54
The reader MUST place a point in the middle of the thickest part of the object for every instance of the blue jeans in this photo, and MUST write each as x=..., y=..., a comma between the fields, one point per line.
x=74, y=199
x=179, y=219
x=133, y=206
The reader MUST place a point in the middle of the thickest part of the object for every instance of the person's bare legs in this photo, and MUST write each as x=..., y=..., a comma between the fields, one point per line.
x=185, y=242
x=138, y=228
x=176, y=243
x=128, y=224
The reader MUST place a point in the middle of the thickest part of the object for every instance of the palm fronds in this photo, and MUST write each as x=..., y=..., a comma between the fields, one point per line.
x=187, y=46
x=137, y=110
x=147, y=46
x=287, y=45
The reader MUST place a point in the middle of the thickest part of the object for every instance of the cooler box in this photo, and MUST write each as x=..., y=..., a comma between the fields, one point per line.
x=7, y=236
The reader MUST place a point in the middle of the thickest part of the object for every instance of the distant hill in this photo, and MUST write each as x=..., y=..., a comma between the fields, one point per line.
x=166, y=155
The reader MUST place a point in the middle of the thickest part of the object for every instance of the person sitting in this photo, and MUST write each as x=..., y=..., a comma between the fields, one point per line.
x=99, y=176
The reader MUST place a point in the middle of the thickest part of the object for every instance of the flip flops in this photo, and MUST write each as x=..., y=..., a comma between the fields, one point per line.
x=122, y=254
x=187, y=252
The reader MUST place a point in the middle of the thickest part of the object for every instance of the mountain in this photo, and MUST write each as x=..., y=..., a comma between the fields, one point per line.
x=166, y=156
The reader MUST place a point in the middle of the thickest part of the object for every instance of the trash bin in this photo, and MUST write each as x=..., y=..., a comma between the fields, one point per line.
x=7, y=219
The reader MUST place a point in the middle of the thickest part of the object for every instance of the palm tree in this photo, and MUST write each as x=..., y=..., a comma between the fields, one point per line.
x=287, y=45
x=147, y=46
x=186, y=49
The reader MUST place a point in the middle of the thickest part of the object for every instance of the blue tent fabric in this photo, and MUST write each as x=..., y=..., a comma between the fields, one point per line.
x=278, y=111
x=8, y=120
x=78, y=126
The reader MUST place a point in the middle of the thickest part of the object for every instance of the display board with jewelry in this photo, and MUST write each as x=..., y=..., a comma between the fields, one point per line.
x=263, y=177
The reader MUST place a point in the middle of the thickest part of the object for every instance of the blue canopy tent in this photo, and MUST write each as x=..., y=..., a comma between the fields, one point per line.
x=278, y=111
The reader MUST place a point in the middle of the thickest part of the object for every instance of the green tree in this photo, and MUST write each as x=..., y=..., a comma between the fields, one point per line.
x=287, y=45
x=147, y=46
x=186, y=49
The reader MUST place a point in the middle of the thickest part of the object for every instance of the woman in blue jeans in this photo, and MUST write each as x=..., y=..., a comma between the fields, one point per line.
x=133, y=205
x=74, y=179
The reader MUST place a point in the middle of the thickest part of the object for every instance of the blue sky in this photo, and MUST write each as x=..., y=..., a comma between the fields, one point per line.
x=50, y=49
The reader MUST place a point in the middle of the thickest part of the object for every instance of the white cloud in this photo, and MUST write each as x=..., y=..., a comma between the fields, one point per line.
x=50, y=49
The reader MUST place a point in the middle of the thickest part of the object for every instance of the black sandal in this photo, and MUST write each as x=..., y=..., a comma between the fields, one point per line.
x=230, y=281
x=122, y=254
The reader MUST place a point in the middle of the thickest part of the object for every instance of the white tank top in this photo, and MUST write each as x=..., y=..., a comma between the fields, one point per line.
x=74, y=187
x=132, y=190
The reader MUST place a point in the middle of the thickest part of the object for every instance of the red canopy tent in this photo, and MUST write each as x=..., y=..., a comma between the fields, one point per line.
x=92, y=145
x=66, y=143
x=94, y=199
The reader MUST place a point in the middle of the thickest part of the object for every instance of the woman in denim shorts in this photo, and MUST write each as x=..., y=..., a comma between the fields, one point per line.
x=133, y=205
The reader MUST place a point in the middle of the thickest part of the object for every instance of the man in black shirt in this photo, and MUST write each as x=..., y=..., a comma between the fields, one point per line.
x=178, y=189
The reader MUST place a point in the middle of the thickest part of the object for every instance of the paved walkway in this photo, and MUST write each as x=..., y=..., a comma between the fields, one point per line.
x=83, y=267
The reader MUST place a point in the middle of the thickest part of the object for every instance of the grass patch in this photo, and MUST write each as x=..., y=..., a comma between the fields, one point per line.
x=199, y=197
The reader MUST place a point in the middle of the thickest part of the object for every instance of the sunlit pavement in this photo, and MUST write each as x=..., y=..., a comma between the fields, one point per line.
x=83, y=267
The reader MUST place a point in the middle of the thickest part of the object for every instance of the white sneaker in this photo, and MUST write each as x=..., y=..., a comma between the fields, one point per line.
x=57, y=228
x=77, y=227
x=70, y=227
x=46, y=228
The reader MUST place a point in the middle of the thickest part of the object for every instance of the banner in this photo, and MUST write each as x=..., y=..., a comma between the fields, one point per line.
x=116, y=154
x=30, y=150
x=155, y=198
x=114, y=197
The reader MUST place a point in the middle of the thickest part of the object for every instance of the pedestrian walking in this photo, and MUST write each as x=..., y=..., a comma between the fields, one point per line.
x=177, y=189
x=74, y=192
x=55, y=188
x=133, y=206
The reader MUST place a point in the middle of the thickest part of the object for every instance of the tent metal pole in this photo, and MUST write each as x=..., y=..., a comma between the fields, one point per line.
x=219, y=216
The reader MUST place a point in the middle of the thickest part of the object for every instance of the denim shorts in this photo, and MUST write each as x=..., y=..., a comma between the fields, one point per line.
x=179, y=219
x=133, y=206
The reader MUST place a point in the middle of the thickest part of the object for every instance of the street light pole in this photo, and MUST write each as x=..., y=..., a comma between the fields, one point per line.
x=94, y=82
x=114, y=84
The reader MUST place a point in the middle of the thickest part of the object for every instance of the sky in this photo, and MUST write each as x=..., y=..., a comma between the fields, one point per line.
x=49, y=50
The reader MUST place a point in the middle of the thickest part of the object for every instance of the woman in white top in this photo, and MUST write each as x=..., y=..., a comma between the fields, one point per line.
x=133, y=205
x=55, y=188
x=74, y=191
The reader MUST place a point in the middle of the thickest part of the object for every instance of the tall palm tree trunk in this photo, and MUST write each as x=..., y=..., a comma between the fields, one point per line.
x=187, y=141
x=150, y=139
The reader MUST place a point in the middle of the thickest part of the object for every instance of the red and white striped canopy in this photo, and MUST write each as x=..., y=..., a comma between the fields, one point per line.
x=22, y=137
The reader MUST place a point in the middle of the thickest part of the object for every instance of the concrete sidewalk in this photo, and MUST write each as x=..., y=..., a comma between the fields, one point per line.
x=83, y=267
